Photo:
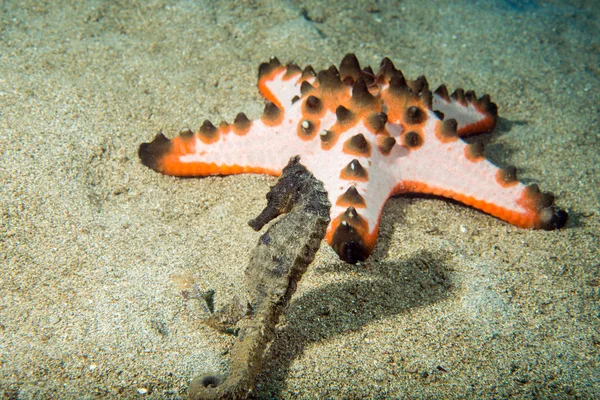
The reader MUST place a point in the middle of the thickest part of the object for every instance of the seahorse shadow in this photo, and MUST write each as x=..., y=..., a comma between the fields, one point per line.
x=382, y=289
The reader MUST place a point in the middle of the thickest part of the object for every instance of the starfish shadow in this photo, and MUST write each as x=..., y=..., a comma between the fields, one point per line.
x=496, y=152
x=379, y=290
x=392, y=217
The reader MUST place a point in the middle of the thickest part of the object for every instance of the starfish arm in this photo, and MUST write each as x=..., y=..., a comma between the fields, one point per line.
x=263, y=146
x=446, y=166
x=242, y=147
x=280, y=84
x=472, y=115
x=356, y=213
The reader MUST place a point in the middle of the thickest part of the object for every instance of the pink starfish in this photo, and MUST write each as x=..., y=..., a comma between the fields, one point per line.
x=367, y=136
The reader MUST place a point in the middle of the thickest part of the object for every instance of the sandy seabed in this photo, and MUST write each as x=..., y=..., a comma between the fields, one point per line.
x=95, y=249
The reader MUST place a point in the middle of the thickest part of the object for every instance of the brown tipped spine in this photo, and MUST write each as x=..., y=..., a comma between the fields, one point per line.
x=376, y=122
x=386, y=70
x=266, y=68
x=475, y=152
x=415, y=115
x=208, y=133
x=447, y=130
x=271, y=114
x=349, y=68
x=412, y=140
x=507, y=176
x=351, y=197
x=357, y=145
x=442, y=92
x=241, y=124
x=354, y=171
x=386, y=144
x=343, y=115
x=152, y=153
x=459, y=96
x=361, y=95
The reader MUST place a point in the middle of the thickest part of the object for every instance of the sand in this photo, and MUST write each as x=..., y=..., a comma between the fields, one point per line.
x=95, y=249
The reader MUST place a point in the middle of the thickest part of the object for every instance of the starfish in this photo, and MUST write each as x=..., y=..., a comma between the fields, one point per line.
x=367, y=136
